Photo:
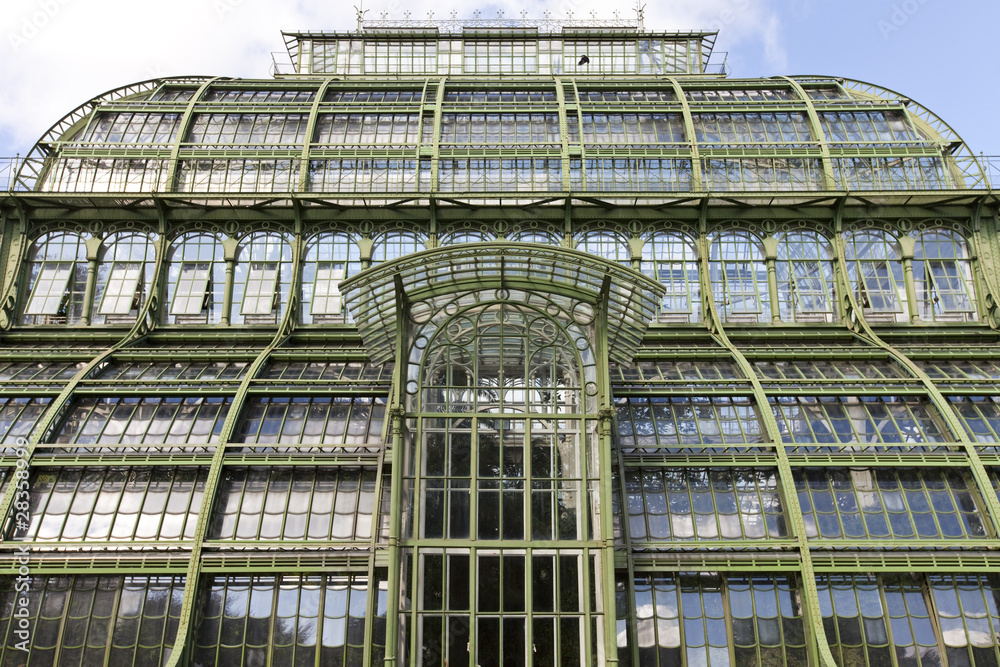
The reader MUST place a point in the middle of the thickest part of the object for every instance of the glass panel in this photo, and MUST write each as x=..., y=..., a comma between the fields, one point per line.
x=673, y=260
x=128, y=620
x=696, y=619
x=804, y=271
x=49, y=292
x=500, y=175
x=500, y=57
x=248, y=129
x=787, y=129
x=121, y=295
x=368, y=175
x=143, y=421
x=942, y=276
x=192, y=288
x=349, y=424
x=18, y=417
x=400, y=57
x=683, y=373
x=703, y=504
x=632, y=129
x=636, y=175
x=882, y=619
x=113, y=504
x=891, y=173
x=762, y=174
x=679, y=423
x=285, y=620
x=867, y=128
x=981, y=417
x=739, y=278
x=259, y=292
x=295, y=503
x=883, y=504
x=895, y=421
x=968, y=615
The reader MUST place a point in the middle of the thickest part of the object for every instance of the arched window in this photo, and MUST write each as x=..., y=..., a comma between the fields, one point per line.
x=875, y=268
x=673, y=260
x=942, y=275
x=329, y=259
x=805, y=278
x=196, y=280
x=505, y=470
x=608, y=245
x=530, y=236
x=125, y=271
x=394, y=245
x=57, y=279
x=263, y=278
x=454, y=238
x=739, y=278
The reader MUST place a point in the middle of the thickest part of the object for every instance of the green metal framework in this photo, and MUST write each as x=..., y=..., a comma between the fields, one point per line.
x=761, y=436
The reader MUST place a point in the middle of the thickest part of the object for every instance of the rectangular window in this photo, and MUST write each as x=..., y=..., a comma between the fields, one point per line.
x=665, y=505
x=259, y=294
x=878, y=287
x=885, y=504
x=948, y=287
x=50, y=288
x=327, y=299
x=94, y=620
x=192, y=288
x=741, y=288
x=121, y=295
x=885, y=422
x=811, y=289
x=295, y=503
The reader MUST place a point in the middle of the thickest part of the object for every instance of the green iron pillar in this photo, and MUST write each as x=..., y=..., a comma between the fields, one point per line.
x=229, y=248
x=906, y=245
x=771, y=259
x=93, y=253
x=606, y=416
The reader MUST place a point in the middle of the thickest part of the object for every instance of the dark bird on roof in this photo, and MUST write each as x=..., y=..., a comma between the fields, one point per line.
x=584, y=60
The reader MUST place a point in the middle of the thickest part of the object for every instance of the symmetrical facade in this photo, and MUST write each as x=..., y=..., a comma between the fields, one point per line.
x=500, y=343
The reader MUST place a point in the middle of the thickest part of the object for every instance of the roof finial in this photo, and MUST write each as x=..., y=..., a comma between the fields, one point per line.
x=361, y=14
x=640, y=12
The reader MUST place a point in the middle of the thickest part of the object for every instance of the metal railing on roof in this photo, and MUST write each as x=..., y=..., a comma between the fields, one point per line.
x=252, y=172
x=8, y=174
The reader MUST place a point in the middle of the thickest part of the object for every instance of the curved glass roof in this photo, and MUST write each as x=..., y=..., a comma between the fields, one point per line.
x=428, y=135
x=423, y=279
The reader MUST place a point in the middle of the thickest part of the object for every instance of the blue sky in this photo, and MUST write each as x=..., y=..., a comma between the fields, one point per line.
x=59, y=53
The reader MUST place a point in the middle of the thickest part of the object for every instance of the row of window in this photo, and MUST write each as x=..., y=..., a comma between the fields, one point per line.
x=241, y=620
x=806, y=423
x=895, y=620
x=288, y=130
x=398, y=175
x=558, y=56
x=667, y=619
x=875, y=507
x=135, y=504
x=668, y=423
x=941, y=275
x=339, y=95
x=861, y=504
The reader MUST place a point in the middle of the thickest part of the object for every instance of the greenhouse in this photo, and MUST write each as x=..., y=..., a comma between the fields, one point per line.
x=500, y=342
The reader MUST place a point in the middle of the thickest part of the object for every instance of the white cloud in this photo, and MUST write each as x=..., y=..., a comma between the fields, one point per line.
x=60, y=53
